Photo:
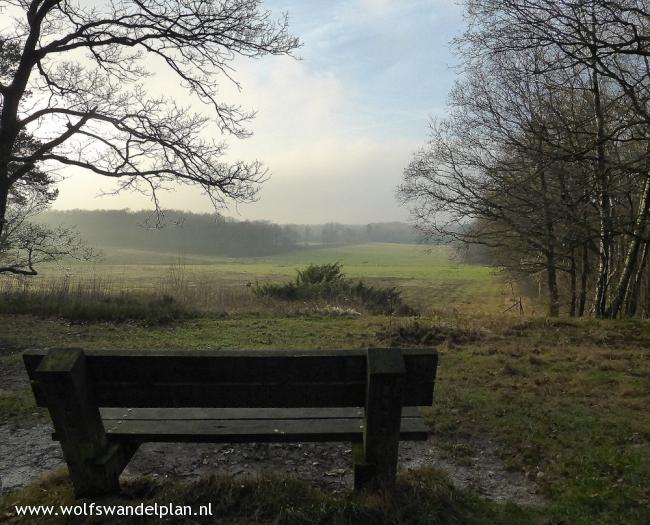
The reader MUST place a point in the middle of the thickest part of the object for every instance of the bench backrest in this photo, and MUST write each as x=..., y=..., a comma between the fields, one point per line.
x=239, y=378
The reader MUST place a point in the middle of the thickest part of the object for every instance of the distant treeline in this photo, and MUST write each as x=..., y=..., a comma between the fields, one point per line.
x=201, y=234
x=210, y=234
x=334, y=233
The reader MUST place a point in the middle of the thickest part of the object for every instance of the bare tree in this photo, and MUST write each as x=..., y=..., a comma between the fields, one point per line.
x=497, y=171
x=544, y=156
x=71, y=77
x=610, y=39
x=24, y=244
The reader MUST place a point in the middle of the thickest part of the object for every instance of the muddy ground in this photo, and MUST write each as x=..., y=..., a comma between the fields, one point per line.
x=27, y=451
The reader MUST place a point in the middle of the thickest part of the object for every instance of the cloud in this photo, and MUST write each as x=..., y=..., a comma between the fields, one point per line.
x=335, y=180
x=376, y=6
x=335, y=129
x=324, y=168
x=293, y=104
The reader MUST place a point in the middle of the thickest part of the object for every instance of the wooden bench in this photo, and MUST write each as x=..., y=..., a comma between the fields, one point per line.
x=103, y=404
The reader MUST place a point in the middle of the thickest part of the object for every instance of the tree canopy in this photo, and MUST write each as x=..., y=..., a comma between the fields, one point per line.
x=544, y=158
x=73, y=94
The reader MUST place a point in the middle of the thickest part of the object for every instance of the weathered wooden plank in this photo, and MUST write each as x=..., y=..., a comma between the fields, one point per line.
x=228, y=395
x=242, y=369
x=253, y=430
x=194, y=378
x=219, y=395
x=411, y=424
x=241, y=413
x=356, y=352
x=238, y=366
x=235, y=395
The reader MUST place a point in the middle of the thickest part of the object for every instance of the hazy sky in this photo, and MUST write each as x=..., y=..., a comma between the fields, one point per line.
x=337, y=127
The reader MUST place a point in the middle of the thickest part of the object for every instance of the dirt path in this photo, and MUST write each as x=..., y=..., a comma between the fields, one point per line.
x=12, y=375
x=26, y=453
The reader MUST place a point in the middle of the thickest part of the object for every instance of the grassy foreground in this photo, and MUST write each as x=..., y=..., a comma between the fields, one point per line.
x=566, y=401
x=423, y=497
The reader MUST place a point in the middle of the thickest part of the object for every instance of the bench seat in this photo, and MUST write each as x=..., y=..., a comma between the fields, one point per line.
x=247, y=425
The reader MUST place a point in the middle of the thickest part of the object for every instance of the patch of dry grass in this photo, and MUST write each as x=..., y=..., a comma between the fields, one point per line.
x=423, y=497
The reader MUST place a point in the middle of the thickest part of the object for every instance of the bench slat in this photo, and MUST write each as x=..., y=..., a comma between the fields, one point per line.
x=239, y=395
x=239, y=413
x=252, y=430
x=240, y=378
x=228, y=395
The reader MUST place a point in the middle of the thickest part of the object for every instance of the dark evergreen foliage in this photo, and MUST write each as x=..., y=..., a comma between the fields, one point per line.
x=327, y=282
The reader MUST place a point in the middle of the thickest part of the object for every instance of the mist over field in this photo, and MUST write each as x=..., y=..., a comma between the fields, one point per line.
x=211, y=234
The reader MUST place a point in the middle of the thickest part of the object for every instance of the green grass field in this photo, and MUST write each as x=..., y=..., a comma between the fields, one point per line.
x=376, y=260
x=430, y=279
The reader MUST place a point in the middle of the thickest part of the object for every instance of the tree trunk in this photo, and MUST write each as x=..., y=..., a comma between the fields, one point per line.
x=633, y=292
x=646, y=305
x=4, y=199
x=584, y=275
x=551, y=263
x=11, y=98
x=634, y=247
x=602, y=176
x=553, y=293
x=573, y=278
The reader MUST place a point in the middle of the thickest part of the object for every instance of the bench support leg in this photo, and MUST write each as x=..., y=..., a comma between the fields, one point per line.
x=375, y=463
x=93, y=462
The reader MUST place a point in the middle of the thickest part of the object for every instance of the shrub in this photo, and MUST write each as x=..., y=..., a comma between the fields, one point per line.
x=320, y=273
x=381, y=300
x=427, y=334
x=327, y=282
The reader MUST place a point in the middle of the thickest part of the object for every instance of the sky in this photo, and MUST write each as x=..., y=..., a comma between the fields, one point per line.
x=336, y=126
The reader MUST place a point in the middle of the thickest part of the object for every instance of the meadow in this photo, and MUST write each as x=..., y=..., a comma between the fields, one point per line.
x=427, y=277
x=564, y=400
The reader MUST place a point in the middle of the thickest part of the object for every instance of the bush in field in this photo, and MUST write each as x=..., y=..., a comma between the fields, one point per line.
x=327, y=282
x=381, y=300
x=286, y=292
x=320, y=273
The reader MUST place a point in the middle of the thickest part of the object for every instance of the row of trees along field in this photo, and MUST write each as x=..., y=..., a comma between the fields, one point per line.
x=210, y=234
x=334, y=233
x=544, y=159
x=200, y=234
